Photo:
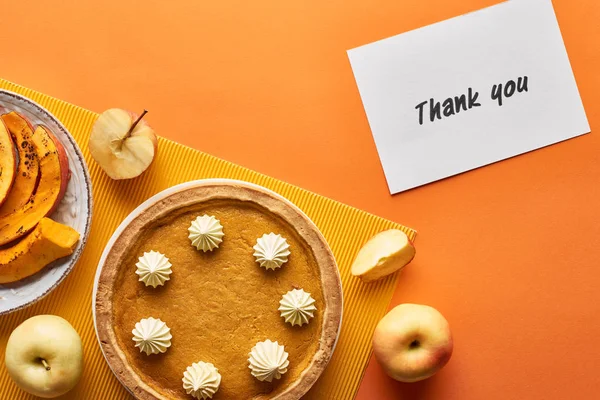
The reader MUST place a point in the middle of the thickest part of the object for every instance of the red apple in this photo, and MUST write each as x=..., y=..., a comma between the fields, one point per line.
x=412, y=342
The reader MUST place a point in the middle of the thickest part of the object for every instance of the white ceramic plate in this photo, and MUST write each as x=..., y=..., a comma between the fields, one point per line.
x=74, y=210
x=151, y=201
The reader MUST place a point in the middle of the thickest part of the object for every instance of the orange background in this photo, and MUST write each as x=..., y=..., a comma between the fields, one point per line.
x=509, y=253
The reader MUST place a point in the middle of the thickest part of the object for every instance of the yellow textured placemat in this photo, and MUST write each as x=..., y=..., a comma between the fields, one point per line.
x=344, y=227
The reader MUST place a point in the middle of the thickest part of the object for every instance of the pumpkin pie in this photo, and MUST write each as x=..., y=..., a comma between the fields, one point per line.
x=218, y=304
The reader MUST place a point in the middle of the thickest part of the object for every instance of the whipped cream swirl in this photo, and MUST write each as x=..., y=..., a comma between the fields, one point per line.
x=152, y=336
x=153, y=268
x=268, y=360
x=206, y=233
x=201, y=380
x=271, y=251
x=297, y=307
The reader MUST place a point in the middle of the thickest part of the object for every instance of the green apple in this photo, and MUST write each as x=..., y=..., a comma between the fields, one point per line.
x=44, y=356
x=412, y=342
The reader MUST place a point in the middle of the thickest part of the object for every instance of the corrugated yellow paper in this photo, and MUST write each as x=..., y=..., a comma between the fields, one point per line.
x=344, y=227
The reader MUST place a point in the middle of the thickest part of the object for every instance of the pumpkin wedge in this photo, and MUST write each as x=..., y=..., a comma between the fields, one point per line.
x=54, y=175
x=28, y=166
x=8, y=162
x=48, y=242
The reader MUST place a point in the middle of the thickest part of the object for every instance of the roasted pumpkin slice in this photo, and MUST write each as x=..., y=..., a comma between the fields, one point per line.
x=48, y=242
x=54, y=175
x=28, y=169
x=8, y=162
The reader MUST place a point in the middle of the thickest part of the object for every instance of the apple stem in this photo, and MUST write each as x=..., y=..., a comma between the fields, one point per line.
x=134, y=124
x=45, y=364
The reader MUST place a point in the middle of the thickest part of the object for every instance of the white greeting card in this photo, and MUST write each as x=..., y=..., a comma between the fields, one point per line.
x=468, y=91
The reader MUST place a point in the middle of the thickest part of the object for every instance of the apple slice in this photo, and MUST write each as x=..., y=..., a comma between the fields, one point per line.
x=8, y=162
x=384, y=254
x=54, y=176
x=28, y=169
x=122, y=143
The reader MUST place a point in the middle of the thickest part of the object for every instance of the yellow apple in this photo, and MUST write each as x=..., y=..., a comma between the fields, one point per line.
x=122, y=143
x=44, y=356
x=412, y=342
x=384, y=254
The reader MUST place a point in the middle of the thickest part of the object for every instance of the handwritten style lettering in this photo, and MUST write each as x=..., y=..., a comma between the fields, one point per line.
x=509, y=89
x=450, y=106
x=464, y=102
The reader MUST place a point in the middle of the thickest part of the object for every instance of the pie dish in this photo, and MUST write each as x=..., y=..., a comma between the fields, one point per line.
x=219, y=303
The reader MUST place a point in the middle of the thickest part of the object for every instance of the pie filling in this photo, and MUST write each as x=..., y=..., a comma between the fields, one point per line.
x=222, y=302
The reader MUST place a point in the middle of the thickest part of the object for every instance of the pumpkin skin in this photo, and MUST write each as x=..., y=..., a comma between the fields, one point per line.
x=65, y=173
x=54, y=176
x=8, y=162
x=28, y=169
x=48, y=242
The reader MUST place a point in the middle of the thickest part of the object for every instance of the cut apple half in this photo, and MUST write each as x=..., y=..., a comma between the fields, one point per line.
x=8, y=162
x=384, y=254
x=122, y=143
x=54, y=176
x=26, y=178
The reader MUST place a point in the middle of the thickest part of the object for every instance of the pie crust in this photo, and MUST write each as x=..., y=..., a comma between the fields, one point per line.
x=203, y=192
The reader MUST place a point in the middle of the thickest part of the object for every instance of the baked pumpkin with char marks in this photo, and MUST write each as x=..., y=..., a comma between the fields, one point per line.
x=48, y=242
x=26, y=178
x=54, y=176
x=8, y=162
